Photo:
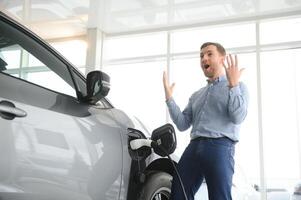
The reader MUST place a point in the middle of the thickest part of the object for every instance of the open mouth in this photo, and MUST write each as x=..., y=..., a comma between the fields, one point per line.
x=206, y=66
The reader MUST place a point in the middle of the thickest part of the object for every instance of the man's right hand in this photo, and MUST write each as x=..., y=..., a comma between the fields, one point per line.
x=167, y=88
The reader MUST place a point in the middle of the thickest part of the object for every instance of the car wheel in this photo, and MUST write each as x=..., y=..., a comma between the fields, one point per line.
x=156, y=187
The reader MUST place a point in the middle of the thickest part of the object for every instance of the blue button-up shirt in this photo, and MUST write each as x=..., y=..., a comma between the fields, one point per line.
x=213, y=111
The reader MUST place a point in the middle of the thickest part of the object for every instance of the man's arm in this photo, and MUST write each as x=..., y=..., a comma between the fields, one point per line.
x=168, y=89
x=181, y=119
x=239, y=97
x=238, y=103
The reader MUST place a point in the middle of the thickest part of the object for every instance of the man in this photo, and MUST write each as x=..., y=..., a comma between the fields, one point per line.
x=215, y=113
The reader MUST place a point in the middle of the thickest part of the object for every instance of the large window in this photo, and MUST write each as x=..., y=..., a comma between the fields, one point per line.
x=281, y=116
x=136, y=68
x=277, y=31
x=137, y=89
x=137, y=46
x=230, y=36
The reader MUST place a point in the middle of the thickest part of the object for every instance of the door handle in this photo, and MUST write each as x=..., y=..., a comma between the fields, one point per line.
x=9, y=111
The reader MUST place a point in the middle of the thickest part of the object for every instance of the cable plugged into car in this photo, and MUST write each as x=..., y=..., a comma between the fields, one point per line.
x=163, y=142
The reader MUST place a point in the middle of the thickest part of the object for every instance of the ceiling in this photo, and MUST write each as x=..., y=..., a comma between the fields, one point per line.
x=68, y=18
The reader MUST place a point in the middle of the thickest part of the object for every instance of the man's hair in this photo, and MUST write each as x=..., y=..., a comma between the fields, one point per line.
x=218, y=46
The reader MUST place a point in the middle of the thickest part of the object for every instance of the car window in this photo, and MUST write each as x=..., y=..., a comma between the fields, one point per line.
x=23, y=57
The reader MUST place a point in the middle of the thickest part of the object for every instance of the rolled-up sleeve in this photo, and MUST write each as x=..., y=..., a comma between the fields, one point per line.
x=238, y=103
x=181, y=119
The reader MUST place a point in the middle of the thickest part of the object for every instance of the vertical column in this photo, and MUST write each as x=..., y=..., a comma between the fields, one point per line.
x=94, y=50
x=26, y=12
x=260, y=128
x=297, y=98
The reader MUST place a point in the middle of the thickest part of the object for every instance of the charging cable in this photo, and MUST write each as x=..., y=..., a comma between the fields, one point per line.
x=138, y=143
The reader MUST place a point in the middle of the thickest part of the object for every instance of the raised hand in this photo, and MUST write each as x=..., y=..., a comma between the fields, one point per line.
x=232, y=71
x=167, y=88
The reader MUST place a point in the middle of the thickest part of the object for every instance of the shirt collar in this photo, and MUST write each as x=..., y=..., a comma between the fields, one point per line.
x=218, y=79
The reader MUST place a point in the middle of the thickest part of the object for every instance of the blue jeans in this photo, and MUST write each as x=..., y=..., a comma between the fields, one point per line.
x=207, y=158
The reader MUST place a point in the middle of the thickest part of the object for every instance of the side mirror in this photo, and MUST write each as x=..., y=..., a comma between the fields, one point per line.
x=165, y=137
x=98, y=86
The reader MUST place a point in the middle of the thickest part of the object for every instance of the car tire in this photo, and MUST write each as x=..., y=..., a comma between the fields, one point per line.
x=157, y=186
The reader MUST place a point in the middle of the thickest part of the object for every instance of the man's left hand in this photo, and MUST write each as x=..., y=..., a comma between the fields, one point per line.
x=232, y=71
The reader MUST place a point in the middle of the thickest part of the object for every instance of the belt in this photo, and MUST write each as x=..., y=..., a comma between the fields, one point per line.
x=201, y=138
x=208, y=138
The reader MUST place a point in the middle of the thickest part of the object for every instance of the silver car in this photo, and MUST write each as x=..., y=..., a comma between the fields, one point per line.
x=60, y=138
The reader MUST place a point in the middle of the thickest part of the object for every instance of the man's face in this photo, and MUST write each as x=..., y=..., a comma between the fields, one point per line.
x=212, y=62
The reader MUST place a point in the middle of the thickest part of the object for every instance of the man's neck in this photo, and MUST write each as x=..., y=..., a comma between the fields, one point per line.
x=212, y=79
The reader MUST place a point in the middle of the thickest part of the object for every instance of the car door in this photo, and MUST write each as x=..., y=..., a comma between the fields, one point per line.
x=52, y=146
